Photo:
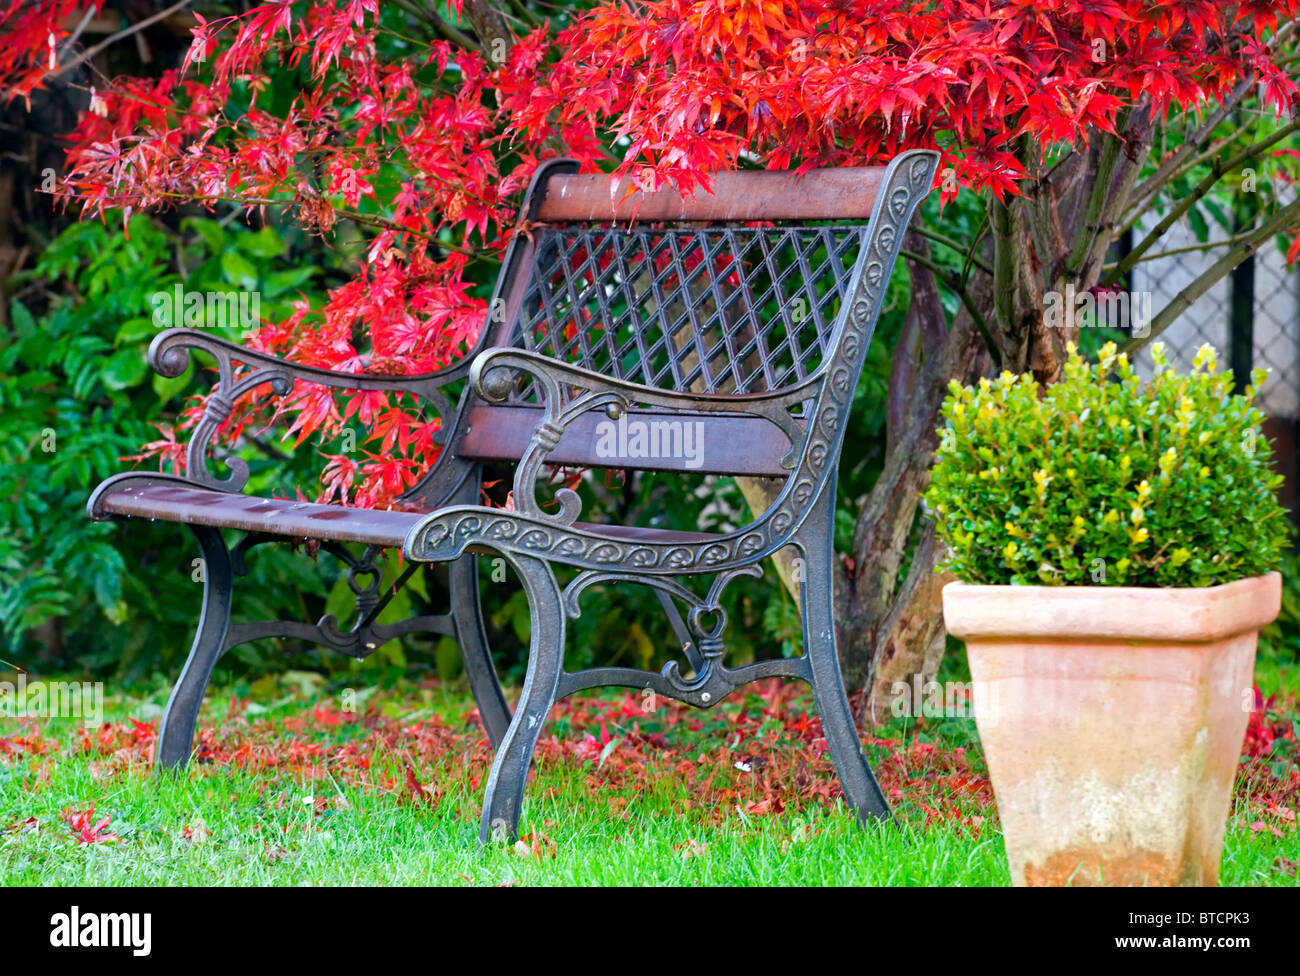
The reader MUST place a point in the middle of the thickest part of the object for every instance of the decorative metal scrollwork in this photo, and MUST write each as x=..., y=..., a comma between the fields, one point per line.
x=364, y=579
x=494, y=375
x=706, y=622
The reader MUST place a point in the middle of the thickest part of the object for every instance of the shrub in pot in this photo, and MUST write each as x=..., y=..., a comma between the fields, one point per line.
x=1113, y=542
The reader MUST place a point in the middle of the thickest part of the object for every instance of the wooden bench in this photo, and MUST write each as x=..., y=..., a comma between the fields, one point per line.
x=747, y=312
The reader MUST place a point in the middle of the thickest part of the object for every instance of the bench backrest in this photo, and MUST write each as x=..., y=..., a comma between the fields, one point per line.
x=745, y=290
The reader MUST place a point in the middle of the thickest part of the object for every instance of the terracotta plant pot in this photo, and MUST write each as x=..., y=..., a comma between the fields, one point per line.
x=1112, y=719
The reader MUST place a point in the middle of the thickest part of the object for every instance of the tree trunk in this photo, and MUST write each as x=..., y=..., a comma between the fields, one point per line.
x=912, y=637
x=890, y=632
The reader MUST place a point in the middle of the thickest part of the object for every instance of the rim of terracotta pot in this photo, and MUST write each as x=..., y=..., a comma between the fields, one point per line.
x=1122, y=614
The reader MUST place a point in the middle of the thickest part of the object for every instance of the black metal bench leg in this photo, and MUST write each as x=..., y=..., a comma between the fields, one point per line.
x=505, y=787
x=177, y=732
x=470, y=635
x=818, y=602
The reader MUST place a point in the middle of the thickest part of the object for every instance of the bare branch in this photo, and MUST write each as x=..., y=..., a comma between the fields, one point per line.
x=954, y=283
x=1217, y=172
x=1166, y=170
x=1280, y=221
x=114, y=38
x=968, y=253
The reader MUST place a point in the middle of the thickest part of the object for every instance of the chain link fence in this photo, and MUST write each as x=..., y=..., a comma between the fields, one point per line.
x=1251, y=316
x=1274, y=319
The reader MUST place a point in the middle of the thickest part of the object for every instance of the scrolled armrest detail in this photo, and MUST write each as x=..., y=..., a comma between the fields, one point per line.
x=170, y=354
x=493, y=375
x=494, y=372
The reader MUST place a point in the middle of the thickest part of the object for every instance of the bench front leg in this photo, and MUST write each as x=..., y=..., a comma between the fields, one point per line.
x=505, y=788
x=817, y=599
x=176, y=733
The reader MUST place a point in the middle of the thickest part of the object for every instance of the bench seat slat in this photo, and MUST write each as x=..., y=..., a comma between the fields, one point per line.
x=249, y=513
x=308, y=520
x=722, y=444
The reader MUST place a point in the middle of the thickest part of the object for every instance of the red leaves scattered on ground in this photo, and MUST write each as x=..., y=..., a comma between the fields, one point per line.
x=535, y=845
x=765, y=758
x=1268, y=777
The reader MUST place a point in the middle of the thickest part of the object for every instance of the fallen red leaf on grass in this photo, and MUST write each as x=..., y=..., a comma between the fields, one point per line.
x=86, y=829
x=420, y=792
x=535, y=845
x=764, y=758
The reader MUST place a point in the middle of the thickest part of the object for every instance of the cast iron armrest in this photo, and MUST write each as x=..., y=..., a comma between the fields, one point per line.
x=169, y=355
x=493, y=374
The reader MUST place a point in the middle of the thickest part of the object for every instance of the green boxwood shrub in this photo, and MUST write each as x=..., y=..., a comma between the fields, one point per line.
x=1103, y=479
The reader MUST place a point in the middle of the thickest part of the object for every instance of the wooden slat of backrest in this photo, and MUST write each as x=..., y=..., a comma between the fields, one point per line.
x=721, y=444
x=840, y=193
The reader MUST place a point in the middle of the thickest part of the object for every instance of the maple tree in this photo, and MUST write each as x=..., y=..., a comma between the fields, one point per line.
x=1062, y=123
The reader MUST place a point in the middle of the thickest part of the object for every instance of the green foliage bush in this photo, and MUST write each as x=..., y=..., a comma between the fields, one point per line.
x=76, y=397
x=1104, y=479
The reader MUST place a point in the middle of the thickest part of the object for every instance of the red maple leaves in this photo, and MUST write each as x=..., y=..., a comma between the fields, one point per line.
x=426, y=145
x=34, y=38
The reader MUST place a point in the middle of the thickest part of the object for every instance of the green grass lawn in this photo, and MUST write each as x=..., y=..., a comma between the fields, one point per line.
x=288, y=790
